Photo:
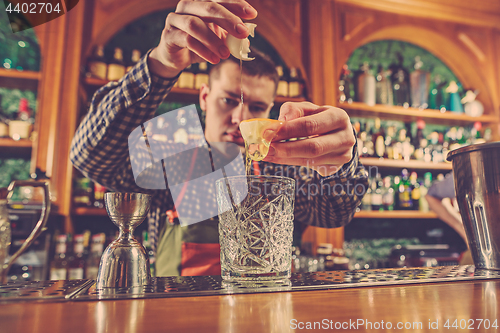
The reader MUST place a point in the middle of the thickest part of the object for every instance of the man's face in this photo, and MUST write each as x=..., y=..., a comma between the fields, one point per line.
x=222, y=103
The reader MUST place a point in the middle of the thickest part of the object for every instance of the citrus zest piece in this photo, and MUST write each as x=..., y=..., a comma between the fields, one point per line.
x=258, y=134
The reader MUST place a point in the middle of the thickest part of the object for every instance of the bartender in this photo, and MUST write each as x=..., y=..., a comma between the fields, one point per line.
x=196, y=32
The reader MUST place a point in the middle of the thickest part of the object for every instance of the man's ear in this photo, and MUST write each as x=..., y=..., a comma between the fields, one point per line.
x=204, y=90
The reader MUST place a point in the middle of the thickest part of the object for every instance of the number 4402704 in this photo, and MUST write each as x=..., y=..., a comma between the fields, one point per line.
x=33, y=8
x=471, y=324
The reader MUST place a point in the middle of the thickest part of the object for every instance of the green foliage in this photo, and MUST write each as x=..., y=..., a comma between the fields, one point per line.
x=18, y=50
x=13, y=169
x=11, y=98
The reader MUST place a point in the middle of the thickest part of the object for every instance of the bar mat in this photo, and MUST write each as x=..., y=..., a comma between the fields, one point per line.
x=42, y=290
x=182, y=286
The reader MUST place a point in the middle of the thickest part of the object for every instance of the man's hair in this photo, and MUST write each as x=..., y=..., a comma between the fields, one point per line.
x=261, y=66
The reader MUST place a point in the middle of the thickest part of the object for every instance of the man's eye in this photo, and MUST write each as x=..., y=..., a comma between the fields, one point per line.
x=230, y=101
x=257, y=109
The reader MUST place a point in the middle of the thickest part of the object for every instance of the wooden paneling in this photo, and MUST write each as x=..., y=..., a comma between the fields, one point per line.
x=316, y=236
x=476, y=13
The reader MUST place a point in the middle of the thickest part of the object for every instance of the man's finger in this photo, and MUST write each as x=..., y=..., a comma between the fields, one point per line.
x=310, y=148
x=314, y=124
x=219, y=13
x=198, y=30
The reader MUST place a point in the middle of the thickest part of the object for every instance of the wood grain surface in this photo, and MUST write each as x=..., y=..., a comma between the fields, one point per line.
x=271, y=312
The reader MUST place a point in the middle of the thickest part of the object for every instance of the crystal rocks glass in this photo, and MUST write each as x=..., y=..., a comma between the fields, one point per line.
x=255, y=227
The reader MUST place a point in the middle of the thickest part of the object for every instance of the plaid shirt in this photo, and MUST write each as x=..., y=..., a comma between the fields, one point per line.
x=100, y=151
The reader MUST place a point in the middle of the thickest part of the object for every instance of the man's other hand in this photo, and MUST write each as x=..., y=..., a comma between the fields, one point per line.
x=325, y=138
x=196, y=31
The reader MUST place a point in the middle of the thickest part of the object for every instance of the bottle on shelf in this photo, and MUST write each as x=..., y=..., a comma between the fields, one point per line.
x=366, y=201
x=383, y=87
x=21, y=127
x=295, y=83
x=377, y=193
x=97, y=66
x=4, y=122
x=368, y=149
x=389, y=142
x=400, y=83
x=437, y=100
x=419, y=143
x=346, y=90
x=415, y=190
x=59, y=266
x=116, y=68
x=378, y=139
x=419, y=82
x=99, y=191
x=404, y=192
x=83, y=195
x=76, y=262
x=94, y=258
x=388, y=195
x=423, y=205
x=282, y=89
x=136, y=56
x=201, y=76
x=366, y=86
x=186, y=79
x=454, y=103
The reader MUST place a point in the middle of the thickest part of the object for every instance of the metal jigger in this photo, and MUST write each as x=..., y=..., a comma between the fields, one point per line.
x=125, y=263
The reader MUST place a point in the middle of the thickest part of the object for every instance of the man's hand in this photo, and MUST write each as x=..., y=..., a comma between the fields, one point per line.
x=328, y=143
x=196, y=32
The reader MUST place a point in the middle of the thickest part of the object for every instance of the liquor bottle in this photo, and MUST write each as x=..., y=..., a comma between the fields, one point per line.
x=415, y=191
x=420, y=142
x=59, y=266
x=201, y=76
x=378, y=139
x=423, y=204
x=389, y=142
x=368, y=149
x=76, y=264
x=21, y=127
x=383, y=87
x=437, y=99
x=346, y=91
x=377, y=194
x=116, y=68
x=361, y=139
x=454, y=101
x=282, y=89
x=419, y=82
x=395, y=187
x=99, y=191
x=295, y=83
x=366, y=201
x=388, y=195
x=400, y=83
x=83, y=195
x=404, y=192
x=97, y=66
x=366, y=86
x=4, y=122
x=186, y=79
x=94, y=258
x=136, y=56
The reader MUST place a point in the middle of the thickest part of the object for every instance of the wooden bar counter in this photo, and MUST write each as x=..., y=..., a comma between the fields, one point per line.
x=413, y=307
